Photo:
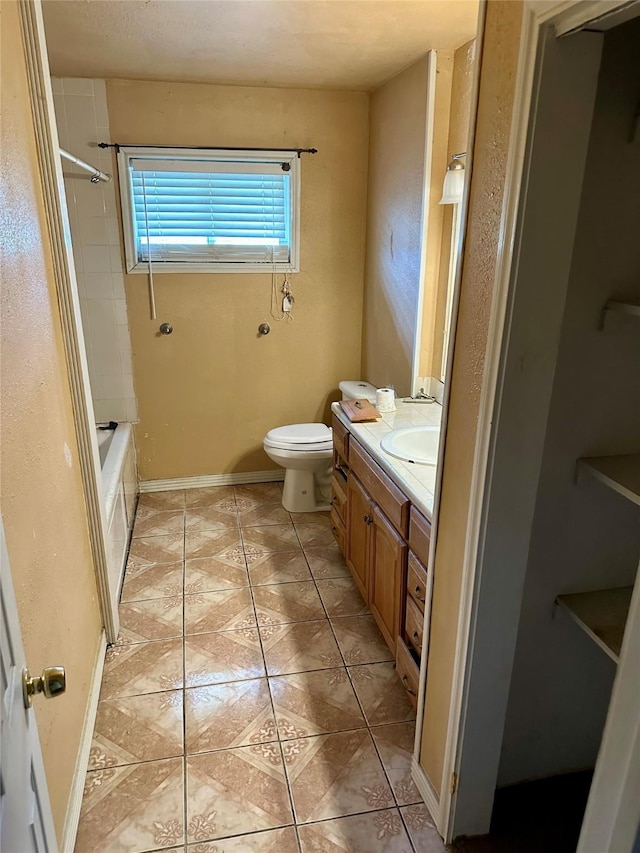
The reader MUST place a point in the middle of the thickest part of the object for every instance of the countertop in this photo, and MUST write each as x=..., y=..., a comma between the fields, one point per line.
x=418, y=482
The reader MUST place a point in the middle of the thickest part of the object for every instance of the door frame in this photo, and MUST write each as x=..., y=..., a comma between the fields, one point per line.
x=50, y=166
x=422, y=782
x=477, y=610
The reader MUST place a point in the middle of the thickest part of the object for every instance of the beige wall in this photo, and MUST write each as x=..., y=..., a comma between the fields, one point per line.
x=42, y=503
x=497, y=80
x=208, y=394
x=394, y=227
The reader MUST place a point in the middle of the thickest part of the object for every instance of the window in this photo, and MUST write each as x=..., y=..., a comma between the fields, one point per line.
x=186, y=210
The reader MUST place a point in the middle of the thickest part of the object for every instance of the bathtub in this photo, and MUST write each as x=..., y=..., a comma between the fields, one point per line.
x=120, y=493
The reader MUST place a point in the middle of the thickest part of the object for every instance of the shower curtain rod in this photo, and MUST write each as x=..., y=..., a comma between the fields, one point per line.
x=119, y=145
x=96, y=176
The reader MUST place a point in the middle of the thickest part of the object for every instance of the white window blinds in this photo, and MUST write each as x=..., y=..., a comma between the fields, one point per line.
x=211, y=212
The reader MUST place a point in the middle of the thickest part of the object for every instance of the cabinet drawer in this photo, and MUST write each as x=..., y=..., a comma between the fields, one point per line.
x=339, y=531
x=407, y=670
x=383, y=491
x=339, y=499
x=340, y=437
x=417, y=581
x=414, y=622
x=419, y=535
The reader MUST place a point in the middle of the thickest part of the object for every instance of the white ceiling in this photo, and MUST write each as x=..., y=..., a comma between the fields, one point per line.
x=334, y=44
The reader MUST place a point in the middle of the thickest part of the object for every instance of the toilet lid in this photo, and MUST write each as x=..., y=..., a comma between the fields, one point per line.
x=300, y=434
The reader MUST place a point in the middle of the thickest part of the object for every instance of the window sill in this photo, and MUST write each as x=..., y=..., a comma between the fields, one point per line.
x=159, y=268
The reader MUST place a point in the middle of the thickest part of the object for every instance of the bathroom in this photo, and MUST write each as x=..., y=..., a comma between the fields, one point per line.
x=177, y=359
x=367, y=270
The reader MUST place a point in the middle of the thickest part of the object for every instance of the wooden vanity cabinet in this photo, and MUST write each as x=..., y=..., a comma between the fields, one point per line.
x=417, y=581
x=377, y=557
x=387, y=570
x=408, y=671
x=409, y=645
x=358, y=534
x=385, y=542
x=340, y=438
x=375, y=551
x=384, y=492
x=419, y=535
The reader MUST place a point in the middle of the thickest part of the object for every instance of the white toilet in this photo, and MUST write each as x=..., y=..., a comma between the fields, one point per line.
x=306, y=452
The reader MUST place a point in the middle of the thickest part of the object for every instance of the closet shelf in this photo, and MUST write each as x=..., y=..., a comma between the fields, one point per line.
x=601, y=614
x=620, y=473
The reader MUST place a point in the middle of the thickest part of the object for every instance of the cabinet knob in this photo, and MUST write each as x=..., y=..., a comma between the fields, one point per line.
x=368, y=519
x=418, y=590
x=416, y=636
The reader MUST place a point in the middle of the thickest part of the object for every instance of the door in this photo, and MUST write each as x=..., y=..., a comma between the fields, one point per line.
x=388, y=562
x=359, y=519
x=26, y=824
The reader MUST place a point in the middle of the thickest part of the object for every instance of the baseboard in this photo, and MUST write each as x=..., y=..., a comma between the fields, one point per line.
x=212, y=480
x=427, y=792
x=70, y=828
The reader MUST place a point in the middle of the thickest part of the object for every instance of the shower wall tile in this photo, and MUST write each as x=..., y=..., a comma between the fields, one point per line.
x=77, y=86
x=83, y=121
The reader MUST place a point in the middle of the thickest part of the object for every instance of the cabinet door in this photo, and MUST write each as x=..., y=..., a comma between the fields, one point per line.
x=388, y=565
x=359, y=524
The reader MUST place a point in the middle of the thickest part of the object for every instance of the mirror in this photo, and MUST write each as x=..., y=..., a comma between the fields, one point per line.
x=451, y=109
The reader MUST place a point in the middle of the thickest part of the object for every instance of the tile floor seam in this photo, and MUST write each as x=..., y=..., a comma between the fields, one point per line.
x=365, y=814
x=386, y=772
x=354, y=814
x=324, y=607
x=406, y=829
x=284, y=770
x=289, y=791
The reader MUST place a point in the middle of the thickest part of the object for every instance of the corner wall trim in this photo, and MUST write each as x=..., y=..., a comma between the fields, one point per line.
x=426, y=790
x=72, y=819
x=239, y=479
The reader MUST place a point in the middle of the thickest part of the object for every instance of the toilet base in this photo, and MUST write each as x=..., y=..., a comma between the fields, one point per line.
x=299, y=493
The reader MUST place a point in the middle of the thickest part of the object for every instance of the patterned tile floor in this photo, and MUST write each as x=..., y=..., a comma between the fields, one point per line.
x=251, y=703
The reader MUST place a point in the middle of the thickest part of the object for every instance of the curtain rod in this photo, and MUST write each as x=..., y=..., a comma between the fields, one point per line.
x=96, y=176
x=118, y=146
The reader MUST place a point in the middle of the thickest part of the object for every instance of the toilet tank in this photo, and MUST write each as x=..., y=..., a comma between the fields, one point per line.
x=353, y=389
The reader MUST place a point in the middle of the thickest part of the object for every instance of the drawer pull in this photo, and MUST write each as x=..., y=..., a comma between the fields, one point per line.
x=405, y=684
x=418, y=590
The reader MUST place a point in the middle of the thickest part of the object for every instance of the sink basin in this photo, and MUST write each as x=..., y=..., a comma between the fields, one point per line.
x=414, y=444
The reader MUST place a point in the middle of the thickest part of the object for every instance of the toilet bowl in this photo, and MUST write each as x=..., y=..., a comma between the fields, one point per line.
x=305, y=451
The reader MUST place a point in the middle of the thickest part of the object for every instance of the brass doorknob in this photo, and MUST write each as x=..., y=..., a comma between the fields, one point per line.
x=52, y=683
